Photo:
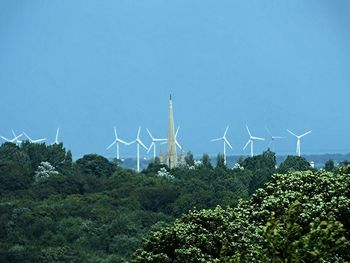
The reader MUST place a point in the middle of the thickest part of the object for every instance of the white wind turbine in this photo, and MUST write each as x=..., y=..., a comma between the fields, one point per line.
x=153, y=144
x=117, y=141
x=34, y=141
x=251, y=142
x=224, y=139
x=298, y=140
x=273, y=139
x=176, y=141
x=18, y=142
x=138, y=143
x=13, y=140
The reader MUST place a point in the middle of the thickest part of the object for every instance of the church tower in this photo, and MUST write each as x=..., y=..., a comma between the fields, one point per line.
x=171, y=156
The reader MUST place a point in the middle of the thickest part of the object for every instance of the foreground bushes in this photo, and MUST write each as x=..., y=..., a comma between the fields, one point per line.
x=297, y=217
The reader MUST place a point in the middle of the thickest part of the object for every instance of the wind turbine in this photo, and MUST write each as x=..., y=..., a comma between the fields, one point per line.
x=153, y=144
x=18, y=142
x=13, y=140
x=251, y=142
x=117, y=141
x=34, y=141
x=56, y=138
x=224, y=139
x=138, y=143
x=273, y=138
x=298, y=140
x=176, y=142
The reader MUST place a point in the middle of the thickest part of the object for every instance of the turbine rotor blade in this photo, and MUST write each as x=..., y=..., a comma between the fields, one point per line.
x=141, y=143
x=26, y=135
x=150, y=147
x=4, y=138
x=115, y=133
x=132, y=142
x=40, y=140
x=225, y=131
x=257, y=138
x=306, y=133
x=228, y=143
x=111, y=145
x=278, y=137
x=217, y=139
x=268, y=131
x=250, y=135
x=292, y=133
x=160, y=140
x=177, y=130
x=138, y=132
x=149, y=133
x=56, y=139
x=121, y=141
x=178, y=144
x=246, y=144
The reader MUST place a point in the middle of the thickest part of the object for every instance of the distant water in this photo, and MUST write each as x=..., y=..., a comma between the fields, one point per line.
x=318, y=159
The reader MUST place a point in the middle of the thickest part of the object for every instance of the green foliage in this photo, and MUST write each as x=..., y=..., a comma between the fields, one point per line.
x=262, y=167
x=329, y=166
x=297, y=217
x=220, y=162
x=93, y=210
x=206, y=161
x=294, y=163
x=93, y=164
x=189, y=159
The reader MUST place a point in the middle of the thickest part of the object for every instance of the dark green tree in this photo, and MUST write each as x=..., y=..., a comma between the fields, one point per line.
x=220, y=162
x=96, y=165
x=206, y=161
x=294, y=163
x=189, y=159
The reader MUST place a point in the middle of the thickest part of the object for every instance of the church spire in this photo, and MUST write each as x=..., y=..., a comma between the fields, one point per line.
x=171, y=158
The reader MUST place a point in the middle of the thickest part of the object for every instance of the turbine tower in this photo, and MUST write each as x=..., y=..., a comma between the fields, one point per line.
x=171, y=157
x=251, y=142
x=116, y=141
x=34, y=141
x=224, y=139
x=298, y=140
x=138, y=143
x=153, y=144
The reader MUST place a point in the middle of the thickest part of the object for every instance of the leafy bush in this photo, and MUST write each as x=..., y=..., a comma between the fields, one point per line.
x=297, y=217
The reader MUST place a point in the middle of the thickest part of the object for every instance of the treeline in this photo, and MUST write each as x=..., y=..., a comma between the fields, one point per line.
x=55, y=210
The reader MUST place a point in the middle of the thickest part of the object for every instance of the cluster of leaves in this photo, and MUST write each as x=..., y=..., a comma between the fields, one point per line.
x=298, y=217
x=55, y=210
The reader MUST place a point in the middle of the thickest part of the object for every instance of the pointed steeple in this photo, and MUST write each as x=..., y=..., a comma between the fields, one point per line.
x=171, y=158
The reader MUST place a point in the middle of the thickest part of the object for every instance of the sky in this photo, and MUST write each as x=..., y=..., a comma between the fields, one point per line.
x=85, y=66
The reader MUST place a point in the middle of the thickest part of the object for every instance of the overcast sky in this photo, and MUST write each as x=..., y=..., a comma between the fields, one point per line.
x=85, y=66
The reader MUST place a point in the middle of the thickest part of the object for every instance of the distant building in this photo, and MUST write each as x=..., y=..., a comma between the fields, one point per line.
x=312, y=164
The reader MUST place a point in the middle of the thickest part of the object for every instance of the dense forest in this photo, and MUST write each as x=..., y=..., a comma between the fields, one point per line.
x=54, y=209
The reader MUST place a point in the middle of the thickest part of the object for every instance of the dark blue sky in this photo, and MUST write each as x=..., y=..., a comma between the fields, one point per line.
x=85, y=66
